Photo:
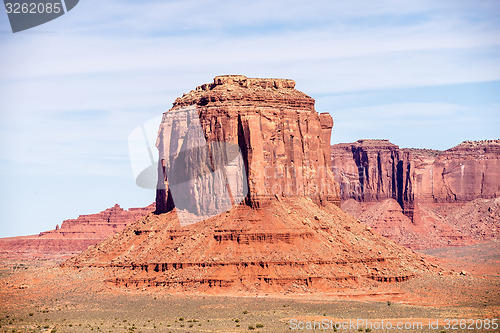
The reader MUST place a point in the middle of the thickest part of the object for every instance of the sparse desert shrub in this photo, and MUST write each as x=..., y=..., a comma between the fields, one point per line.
x=181, y=319
x=245, y=312
x=31, y=314
x=236, y=320
x=259, y=326
x=251, y=327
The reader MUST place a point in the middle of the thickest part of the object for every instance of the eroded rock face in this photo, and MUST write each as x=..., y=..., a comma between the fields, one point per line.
x=100, y=225
x=284, y=143
x=437, y=187
x=463, y=173
x=373, y=170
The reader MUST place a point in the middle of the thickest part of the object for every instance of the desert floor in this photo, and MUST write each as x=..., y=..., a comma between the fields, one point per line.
x=39, y=296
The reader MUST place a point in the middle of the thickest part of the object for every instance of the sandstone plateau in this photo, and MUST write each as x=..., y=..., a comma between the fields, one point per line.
x=74, y=235
x=422, y=198
x=286, y=235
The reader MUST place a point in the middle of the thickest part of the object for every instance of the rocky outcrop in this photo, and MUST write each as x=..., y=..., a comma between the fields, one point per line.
x=463, y=173
x=283, y=142
x=286, y=235
x=74, y=235
x=373, y=170
x=437, y=187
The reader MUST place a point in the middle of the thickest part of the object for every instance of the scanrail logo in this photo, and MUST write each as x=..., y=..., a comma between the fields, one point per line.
x=27, y=14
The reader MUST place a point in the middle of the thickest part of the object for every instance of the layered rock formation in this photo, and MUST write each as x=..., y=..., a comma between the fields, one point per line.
x=289, y=245
x=463, y=173
x=288, y=234
x=435, y=187
x=284, y=143
x=74, y=235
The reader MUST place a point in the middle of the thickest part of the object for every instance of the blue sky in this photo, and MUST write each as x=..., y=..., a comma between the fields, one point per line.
x=420, y=73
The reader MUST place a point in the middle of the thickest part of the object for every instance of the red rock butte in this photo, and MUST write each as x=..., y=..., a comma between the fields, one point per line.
x=285, y=143
x=289, y=235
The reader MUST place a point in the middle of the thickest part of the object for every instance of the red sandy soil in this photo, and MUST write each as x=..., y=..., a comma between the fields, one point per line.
x=37, y=299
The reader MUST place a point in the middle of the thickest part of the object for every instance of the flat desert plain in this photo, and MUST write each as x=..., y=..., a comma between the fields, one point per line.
x=40, y=296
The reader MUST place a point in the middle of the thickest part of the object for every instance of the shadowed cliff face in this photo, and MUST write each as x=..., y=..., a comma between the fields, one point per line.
x=445, y=198
x=373, y=170
x=241, y=132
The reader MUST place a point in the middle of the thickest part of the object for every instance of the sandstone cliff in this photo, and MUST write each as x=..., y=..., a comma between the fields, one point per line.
x=373, y=170
x=284, y=143
x=434, y=188
x=463, y=173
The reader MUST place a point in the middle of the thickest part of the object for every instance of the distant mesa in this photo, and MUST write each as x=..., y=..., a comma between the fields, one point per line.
x=430, y=188
x=286, y=235
x=74, y=235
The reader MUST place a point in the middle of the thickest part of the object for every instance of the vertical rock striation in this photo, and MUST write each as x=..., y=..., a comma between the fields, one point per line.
x=284, y=142
x=373, y=170
x=431, y=187
x=463, y=173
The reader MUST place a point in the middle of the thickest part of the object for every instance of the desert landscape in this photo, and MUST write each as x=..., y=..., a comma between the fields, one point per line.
x=260, y=224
